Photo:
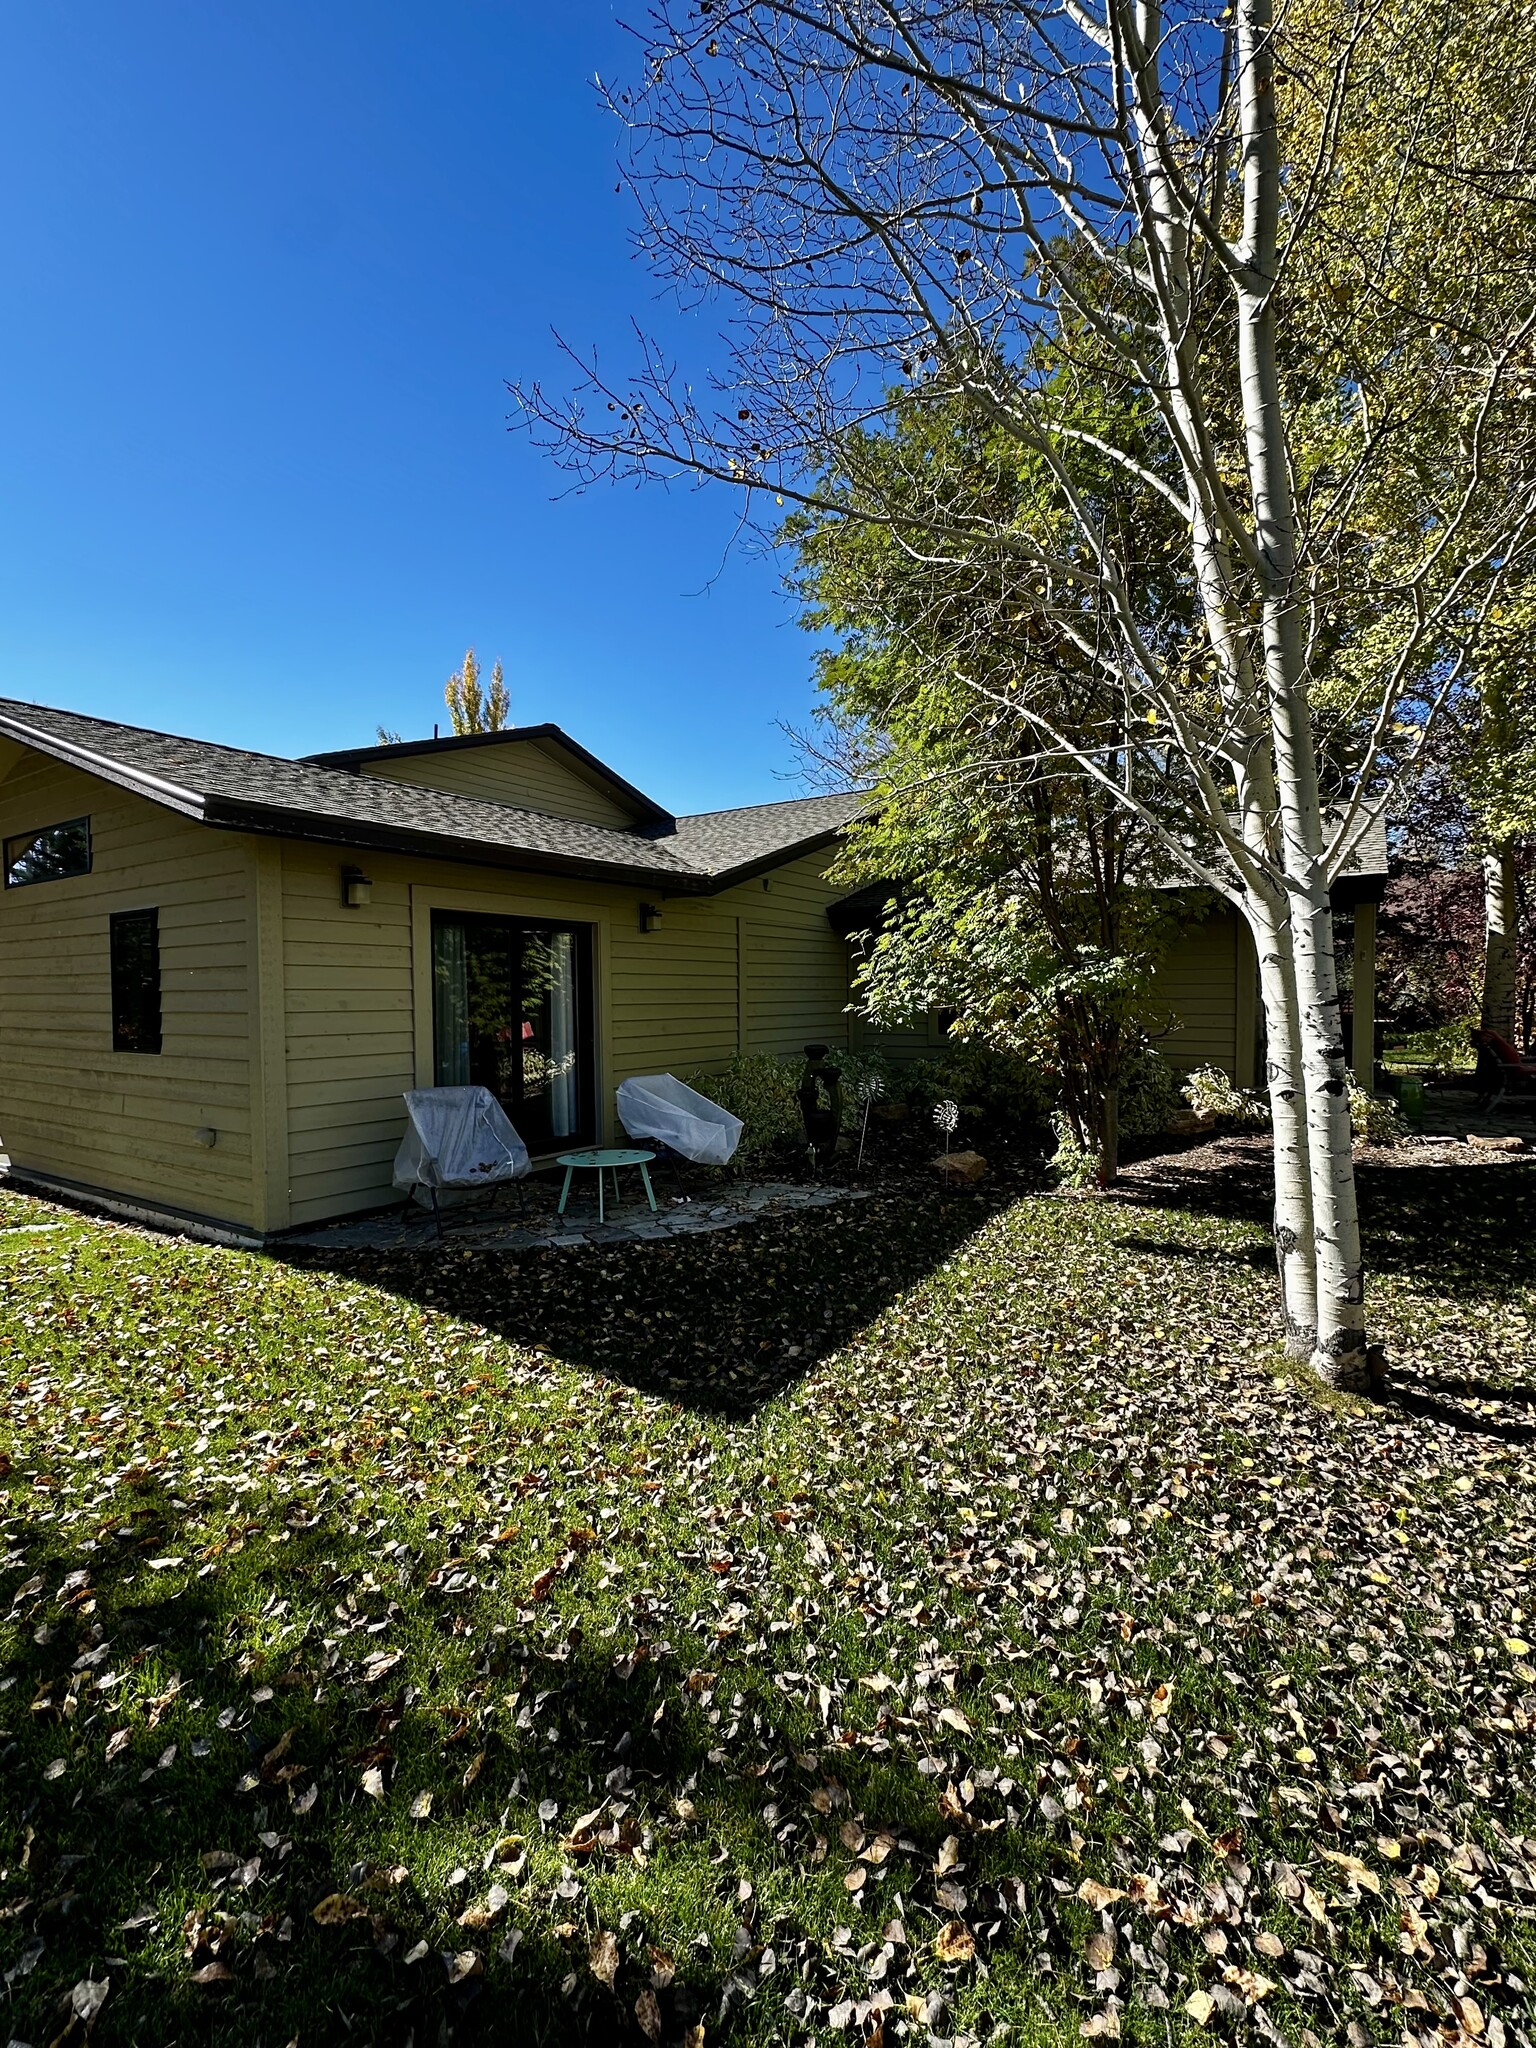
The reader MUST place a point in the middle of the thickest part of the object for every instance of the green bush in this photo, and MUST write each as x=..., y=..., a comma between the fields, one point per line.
x=1002, y=1089
x=761, y=1090
x=1075, y=1166
x=1377, y=1120
x=1149, y=1094
x=1211, y=1092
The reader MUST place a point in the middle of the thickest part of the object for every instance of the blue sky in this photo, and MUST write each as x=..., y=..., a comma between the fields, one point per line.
x=263, y=274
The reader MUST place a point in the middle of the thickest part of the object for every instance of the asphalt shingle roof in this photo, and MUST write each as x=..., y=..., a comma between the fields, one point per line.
x=239, y=790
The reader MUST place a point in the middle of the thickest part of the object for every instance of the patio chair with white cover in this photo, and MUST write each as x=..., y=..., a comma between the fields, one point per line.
x=458, y=1139
x=660, y=1107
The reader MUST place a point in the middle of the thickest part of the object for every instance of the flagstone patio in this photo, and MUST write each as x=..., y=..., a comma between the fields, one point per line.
x=504, y=1225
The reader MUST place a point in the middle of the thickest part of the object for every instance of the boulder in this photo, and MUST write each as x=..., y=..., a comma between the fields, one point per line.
x=960, y=1169
x=1190, y=1123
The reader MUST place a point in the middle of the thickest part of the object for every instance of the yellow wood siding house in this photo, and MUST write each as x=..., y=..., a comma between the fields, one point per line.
x=220, y=970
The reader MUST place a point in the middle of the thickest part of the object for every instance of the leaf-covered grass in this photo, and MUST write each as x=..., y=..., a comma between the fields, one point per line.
x=912, y=1619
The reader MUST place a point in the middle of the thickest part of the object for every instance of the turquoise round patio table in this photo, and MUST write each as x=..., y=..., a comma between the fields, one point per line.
x=599, y=1160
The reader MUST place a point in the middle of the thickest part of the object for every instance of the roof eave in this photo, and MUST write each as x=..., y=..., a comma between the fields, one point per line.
x=748, y=871
x=232, y=814
x=189, y=802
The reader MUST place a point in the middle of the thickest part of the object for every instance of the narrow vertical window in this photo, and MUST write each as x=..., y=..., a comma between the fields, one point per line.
x=136, y=981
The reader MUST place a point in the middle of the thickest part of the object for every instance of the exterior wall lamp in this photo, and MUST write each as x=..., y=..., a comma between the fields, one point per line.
x=356, y=889
x=650, y=917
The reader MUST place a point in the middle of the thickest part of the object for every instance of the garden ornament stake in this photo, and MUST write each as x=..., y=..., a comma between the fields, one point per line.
x=870, y=1090
x=946, y=1116
x=821, y=1100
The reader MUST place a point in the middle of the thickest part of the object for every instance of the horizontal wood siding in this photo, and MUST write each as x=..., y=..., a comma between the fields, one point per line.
x=797, y=966
x=69, y=1105
x=349, y=1032
x=1195, y=996
x=674, y=1000
x=527, y=773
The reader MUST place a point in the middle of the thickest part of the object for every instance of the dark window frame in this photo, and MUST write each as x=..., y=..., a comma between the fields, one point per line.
x=136, y=987
x=26, y=840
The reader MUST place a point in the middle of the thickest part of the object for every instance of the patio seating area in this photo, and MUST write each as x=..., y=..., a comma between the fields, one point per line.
x=480, y=1224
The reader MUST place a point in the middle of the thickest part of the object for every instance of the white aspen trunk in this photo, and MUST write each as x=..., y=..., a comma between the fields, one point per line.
x=1257, y=800
x=1295, y=1254
x=1340, y=1351
x=1501, y=914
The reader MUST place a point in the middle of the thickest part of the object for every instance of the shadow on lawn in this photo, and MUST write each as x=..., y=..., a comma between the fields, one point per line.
x=1469, y=1231
x=721, y=1321
x=140, y=1871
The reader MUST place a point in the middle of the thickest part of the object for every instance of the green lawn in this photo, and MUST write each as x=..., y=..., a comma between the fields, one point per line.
x=918, y=1618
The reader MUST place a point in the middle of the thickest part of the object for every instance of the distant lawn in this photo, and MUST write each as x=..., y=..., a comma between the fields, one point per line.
x=907, y=1620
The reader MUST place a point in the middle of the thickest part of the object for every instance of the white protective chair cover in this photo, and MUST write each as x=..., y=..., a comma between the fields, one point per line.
x=458, y=1138
x=660, y=1106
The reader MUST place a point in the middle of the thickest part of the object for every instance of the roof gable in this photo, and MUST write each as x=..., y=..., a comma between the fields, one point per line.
x=539, y=767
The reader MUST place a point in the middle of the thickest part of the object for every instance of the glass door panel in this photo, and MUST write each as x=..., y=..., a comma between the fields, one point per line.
x=512, y=1011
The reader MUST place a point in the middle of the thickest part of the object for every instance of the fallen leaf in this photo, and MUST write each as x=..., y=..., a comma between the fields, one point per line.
x=603, y=1957
x=1361, y=1873
x=88, y=1997
x=1097, y=1895
x=1100, y=1950
x=338, y=1908
x=1200, y=2005
x=955, y=1943
x=1249, y=1983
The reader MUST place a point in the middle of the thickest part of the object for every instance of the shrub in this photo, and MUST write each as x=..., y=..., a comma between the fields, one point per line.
x=1075, y=1165
x=1149, y=1094
x=1377, y=1120
x=761, y=1090
x=1002, y=1088
x=1210, y=1092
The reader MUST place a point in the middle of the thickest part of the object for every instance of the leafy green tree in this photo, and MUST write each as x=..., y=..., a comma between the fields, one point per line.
x=470, y=708
x=1021, y=904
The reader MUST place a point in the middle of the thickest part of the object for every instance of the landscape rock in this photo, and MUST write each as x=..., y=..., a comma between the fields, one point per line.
x=960, y=1169
x=1190, y=1123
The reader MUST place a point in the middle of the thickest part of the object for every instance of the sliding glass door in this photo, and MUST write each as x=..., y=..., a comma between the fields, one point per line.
x=512, y=1010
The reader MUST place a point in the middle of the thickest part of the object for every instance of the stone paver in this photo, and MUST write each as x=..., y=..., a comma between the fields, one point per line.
x=468, y=1228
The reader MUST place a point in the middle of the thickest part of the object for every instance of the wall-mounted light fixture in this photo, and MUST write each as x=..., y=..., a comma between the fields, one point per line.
x=650, y=917
x=356, y=889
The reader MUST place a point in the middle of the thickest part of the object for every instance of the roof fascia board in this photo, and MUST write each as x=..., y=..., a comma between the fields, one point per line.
x=188, y=801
